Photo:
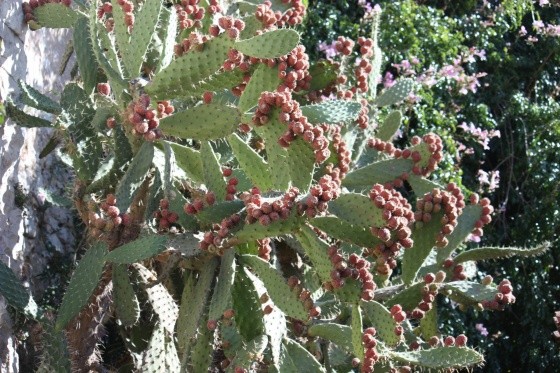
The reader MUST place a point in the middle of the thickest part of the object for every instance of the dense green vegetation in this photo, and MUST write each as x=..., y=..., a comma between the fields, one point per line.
x=515, y=44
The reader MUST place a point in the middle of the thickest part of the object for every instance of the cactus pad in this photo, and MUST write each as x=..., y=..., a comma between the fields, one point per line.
x=204, y=122
x=387, y=130
x=487, y=253
x=380, y=318
x=277, y=288
x=331, y=111
x=55, y=15
x=271, y=44
x=379, y=172
x=439, y=358
x=340, y=335
x=14, y=292
x=82, y=284
x=126, y=303
x=134, y=176
x=137, y=250
x=190, y=69
x=396, y=93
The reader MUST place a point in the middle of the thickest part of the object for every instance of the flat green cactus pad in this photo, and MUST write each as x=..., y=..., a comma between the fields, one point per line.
x=55, y=15
x=379, y=172
x=440, y=358
x=358, y=210
x=341, y=335
x=204, y=122
x=387, y=130
x=14, y=292
x=488, y=253
x=277, y=288
x=82, y=284
x=189, y=70
x=396, y=93
x=331, y=111
x=271, y=44
x=380, y=318
x=137, y=250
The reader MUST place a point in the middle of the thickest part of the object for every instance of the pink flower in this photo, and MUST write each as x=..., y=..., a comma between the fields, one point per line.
x=483, y=331
x=522, y=31
x=388, y=80
x=490, y=179
x=537, y=25
x=328, y=49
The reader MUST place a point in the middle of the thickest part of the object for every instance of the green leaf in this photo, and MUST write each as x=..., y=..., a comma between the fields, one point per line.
x=294, y=164
x=439, y=358
x=277, y=288
x=295, y=358
x=134, y=176
x=271, y=44
x=486, y=253
x=317, y=252
x=331, y=111
x=14, y=292
x=55, y=15
x=251, y=352
x=97, y=35
x=203, y=122
x=323, y=74
x=78, y=112
x=396, y=93
x=407, y=298
x=82, y=284
x=137, y=250
x=429, y=323
x=390, y=126
x=163, y=306
x=55, y=357
x=379, y=172
x=193, y=305
x=420, y=185
x=161, y=354
x=170, y=22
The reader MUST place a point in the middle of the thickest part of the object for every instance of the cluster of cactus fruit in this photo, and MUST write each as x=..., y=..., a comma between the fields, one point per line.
x=242, y=205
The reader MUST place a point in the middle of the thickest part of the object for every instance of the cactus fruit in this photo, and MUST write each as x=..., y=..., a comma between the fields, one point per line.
x=205, y=128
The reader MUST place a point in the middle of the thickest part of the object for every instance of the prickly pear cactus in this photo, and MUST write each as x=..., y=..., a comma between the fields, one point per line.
x=239, y=199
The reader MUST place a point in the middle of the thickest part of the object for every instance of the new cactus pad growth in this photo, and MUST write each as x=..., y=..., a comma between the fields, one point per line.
x=249, y=211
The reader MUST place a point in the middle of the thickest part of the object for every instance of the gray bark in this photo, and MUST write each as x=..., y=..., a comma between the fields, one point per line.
x=29, y=234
